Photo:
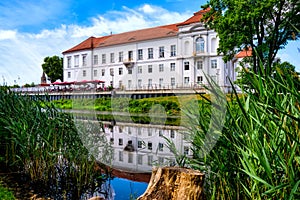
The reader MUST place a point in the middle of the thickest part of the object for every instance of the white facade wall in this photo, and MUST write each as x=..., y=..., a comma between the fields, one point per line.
x=159, y=77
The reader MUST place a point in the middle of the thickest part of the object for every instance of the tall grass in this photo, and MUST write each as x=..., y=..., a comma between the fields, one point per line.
x=42, y=142
x=258, y=153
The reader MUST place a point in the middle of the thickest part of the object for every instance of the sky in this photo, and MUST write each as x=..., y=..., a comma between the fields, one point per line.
x=31, y=30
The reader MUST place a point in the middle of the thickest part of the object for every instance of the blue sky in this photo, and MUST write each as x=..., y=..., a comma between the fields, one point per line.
x=31, y=30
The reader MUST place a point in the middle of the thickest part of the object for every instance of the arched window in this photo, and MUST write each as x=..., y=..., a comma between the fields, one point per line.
x=200, y=45
x=213, y=45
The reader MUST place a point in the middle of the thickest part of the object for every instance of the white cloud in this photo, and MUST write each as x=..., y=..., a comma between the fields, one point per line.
x=23, y=53
x=7, y=34
x=147, y=9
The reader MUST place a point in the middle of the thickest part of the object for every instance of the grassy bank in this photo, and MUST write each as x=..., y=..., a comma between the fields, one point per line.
x=172, y=104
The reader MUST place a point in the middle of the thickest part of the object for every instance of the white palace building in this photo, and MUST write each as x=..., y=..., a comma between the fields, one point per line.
x=175, y=56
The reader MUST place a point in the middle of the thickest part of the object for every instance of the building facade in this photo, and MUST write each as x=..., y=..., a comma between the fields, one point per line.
x=175, y=56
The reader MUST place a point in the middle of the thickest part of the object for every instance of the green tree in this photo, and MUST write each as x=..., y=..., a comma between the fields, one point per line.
x=263, y=25
x=53, y=68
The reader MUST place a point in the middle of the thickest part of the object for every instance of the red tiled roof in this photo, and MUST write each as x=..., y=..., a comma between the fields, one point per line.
x=134, y=36
x=196, y=18
x=244, y=53
x=89, y=43
x=140, y=35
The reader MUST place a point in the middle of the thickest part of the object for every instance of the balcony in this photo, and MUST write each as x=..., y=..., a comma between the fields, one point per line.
x=128, y=63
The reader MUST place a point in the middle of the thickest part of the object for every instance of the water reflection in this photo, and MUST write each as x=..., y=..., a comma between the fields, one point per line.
x=138, y=147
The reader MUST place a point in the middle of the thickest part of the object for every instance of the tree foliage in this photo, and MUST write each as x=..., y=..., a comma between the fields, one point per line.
x=53, y=67
x=264, y=25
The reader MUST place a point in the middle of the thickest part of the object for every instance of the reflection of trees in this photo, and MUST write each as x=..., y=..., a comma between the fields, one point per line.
x=93, y=138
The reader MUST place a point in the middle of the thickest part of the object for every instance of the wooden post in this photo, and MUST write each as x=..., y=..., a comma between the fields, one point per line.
x=174, y=183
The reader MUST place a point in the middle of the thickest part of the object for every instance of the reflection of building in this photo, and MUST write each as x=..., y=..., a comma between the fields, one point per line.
x=149, y=145
x=165, y=57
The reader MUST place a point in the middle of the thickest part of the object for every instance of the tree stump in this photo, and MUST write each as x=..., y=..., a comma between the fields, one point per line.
x=174, y=183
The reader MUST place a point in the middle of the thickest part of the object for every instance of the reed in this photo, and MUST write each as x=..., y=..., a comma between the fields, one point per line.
x=39, y=140
x=257, y=155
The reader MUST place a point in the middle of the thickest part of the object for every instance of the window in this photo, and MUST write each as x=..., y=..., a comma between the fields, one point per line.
x=130, y=158
x=112, y=140
x=161, y=81
x=103, y=58
x=76, y=61
x=149, y=82
x=121, y=56
x=130, y=55
x=129, y=71
x=199, y=79
x=69, y=62
x=95, y=73
x=120, y=84
x=160, y=133
x=186, y=150
x=111, y=71
x=140, y=144
x=186, y=65
x=173, y=50
x=112, y=57
x=150, y=160
x=120, y=141
x=84, y=60
x=213, y=64
x=161, y=67
x=95, y=61
x=140, y=69
x=200, y=45
x=160, y=146
x=140, y=159
x=199, y=64
x=149, y=68
x=139, y=131
x=149, y=132
x=161, y=52
x=120, y=71
x=214, y=78
x=103, y=72
x=121, y=156
x=172, y=66
x=150, y=53
x=186, y=80
x=172, y=81
x=140, y=83
x=69, y=74
x=84, y=73
x=161, y=160
x=140, y=54
x=129, y=128
x=150, y=145
x=172, y=134
x=129, y=86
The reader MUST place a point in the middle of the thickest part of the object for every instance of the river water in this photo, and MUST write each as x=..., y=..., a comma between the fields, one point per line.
x=135, y=149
